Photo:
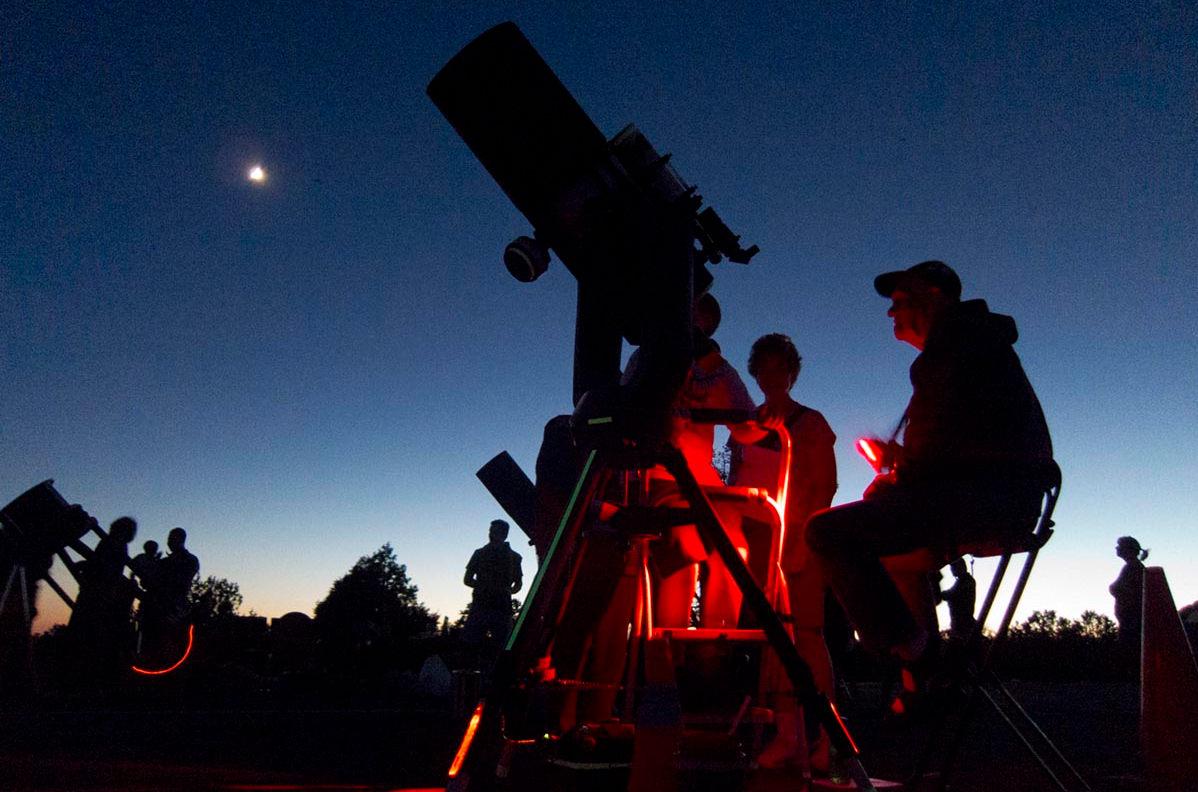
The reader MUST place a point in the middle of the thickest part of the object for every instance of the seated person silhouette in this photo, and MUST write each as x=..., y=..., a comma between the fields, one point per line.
x=970, y=470
x=711, y=384
x=591, y=641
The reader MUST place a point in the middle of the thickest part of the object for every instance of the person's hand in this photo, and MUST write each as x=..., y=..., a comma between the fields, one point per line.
x=882, y=483
x=771, y=417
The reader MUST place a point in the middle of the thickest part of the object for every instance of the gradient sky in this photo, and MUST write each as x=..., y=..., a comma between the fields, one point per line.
x=300, y=371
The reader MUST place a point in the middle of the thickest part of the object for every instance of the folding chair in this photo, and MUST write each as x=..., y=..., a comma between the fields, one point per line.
x=975, y=669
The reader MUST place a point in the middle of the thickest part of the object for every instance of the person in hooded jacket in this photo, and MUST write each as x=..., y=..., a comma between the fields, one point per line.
x=969, y=473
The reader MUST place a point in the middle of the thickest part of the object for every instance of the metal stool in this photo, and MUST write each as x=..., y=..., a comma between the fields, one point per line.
x=976, y=661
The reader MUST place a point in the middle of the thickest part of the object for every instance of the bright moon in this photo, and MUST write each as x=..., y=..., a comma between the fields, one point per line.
x=257, y=174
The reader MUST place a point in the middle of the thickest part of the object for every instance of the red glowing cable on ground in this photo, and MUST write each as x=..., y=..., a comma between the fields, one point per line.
x=191, y=631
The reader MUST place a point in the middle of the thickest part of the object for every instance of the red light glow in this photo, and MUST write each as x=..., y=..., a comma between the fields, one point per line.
x=191, y=634
x=872, y=453
x=843, y=728
x=460, y=757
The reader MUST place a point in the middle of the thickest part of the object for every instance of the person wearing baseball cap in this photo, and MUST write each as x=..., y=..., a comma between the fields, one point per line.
x=969, y=473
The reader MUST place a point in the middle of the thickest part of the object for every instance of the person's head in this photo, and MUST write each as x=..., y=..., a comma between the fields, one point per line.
x=150, y=547
x=918, y=295
x=707, y=314
x=176, y=539
x=123, y=529
x=1128, y=548
x=958, y=568
x=775, y=364
x=499, y=529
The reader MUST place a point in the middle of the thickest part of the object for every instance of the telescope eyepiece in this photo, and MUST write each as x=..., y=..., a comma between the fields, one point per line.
x=526, y=259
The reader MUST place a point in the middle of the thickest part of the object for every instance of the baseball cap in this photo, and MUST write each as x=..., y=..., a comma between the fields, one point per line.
x=931, y=273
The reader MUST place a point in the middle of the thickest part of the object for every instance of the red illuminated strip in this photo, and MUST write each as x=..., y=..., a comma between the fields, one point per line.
x=844, y=729
x=460, y=757
x=867, y=450
x=191, y=632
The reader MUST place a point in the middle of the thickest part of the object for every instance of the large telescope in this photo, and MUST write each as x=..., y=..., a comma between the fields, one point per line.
x=627, y=226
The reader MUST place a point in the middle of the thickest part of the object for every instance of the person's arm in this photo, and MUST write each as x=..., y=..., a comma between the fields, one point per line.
x=813, y=466
x=736, y=396
x=1122, y=583
x=517, y=573
x=471, y=577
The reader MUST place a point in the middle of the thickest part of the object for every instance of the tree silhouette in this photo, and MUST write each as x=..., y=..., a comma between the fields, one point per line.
x=1048, y=646
x=371, y=614
x=213, y=598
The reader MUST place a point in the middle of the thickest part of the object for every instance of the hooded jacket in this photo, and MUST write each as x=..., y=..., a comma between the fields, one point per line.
x=973, y=413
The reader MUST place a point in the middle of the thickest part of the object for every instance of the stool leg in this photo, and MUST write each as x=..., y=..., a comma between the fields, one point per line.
x=642, y=620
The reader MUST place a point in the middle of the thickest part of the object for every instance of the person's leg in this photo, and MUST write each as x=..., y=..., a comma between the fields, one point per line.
x=847, y=543
x=913, y=574
x=805, y=589
x=675, y=563
x=721, y=596
x=672, y=596
x=806, y=592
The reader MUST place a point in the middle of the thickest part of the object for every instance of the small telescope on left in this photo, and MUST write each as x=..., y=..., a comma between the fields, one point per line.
x=35, y=527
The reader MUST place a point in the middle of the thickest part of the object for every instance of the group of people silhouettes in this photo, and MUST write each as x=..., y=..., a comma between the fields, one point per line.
x=102, y=619
x=966, y=470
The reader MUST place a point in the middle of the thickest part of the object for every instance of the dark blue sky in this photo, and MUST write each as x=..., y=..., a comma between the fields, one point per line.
x=300, y=371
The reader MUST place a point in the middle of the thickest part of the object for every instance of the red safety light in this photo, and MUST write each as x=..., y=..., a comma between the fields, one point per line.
x=460, y=757
x=191, y=634
x=872, y=451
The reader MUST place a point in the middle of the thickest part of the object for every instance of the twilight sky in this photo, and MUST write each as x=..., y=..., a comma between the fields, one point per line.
x=300, y=370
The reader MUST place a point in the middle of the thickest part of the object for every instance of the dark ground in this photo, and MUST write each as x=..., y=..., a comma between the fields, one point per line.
x=67, y=747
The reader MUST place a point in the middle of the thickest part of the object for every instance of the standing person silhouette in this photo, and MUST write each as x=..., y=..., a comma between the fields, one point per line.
x=961, y=598
x=167, y=605
x=145, y=564
x=495, y=575
x=775, y=364
x=101, y=619
x=1128, y=591
x=177, y=572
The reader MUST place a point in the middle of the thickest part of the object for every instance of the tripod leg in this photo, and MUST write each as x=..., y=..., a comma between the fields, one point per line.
x=1031, y=723
x=25, y=597
x=53, y=584
x=714, y=536
x=8, y=587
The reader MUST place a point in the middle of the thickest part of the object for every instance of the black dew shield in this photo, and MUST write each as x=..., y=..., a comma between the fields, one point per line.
x=519, y=120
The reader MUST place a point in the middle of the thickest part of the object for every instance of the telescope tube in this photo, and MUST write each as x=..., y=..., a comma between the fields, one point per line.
x=520, y=121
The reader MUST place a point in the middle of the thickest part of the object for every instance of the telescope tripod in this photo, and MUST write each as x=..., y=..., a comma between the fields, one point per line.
x=495, y=732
